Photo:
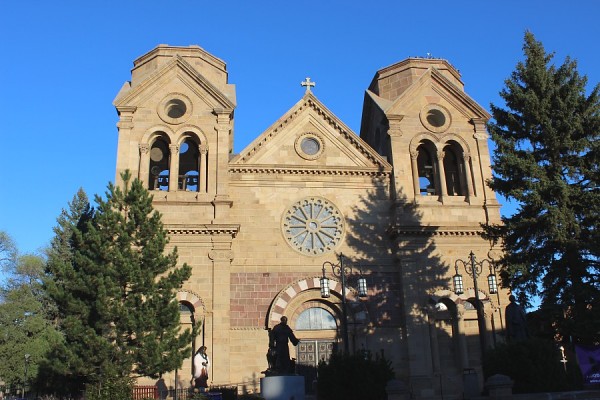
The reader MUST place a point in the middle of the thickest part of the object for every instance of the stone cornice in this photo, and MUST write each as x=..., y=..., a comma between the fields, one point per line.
x=399, y=230
x=208, y=229
x=267, y=169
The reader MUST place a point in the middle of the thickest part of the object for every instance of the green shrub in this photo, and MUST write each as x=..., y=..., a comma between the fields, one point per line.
x=112, y=388
x=534, y=366
x=354, y=377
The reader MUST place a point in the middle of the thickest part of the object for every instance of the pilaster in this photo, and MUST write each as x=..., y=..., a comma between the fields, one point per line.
x=221, y=256
x=127, y=153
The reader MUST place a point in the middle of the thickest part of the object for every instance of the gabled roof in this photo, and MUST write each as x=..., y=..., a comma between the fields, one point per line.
x=364, y=159
x=221, y=100
x=443, y=86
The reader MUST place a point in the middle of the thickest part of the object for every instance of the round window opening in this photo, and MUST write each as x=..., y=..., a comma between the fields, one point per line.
x=436, y=118
x=175, y=108
x=310, y=146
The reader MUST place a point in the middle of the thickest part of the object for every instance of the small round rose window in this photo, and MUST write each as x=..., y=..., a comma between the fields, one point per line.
x=313, y=226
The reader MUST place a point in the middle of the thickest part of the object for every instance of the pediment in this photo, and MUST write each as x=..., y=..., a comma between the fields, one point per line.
x=180, y=76
x=432, y=85
x=309, y=137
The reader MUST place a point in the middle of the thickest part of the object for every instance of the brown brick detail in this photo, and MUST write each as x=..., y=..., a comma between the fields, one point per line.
x=252, y=295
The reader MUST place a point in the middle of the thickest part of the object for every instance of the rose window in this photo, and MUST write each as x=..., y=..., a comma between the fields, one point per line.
x=313, y=226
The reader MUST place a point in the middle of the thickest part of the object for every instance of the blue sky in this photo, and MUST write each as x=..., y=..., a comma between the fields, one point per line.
x=63, y=62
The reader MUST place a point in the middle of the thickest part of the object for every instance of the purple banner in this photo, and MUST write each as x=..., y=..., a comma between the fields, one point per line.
x=589, y=362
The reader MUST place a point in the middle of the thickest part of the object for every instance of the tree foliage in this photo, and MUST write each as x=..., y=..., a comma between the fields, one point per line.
x=547, y=161
x=26, y=333
x=114, y=287
x=8, y=251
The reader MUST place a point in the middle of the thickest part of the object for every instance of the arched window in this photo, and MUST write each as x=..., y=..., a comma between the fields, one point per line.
x=454, y=169
x=189, y=166
x=427, y=169
x=315, y=318
x=159, y=165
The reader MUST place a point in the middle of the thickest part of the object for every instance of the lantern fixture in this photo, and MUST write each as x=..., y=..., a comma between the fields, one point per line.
x=342, y=271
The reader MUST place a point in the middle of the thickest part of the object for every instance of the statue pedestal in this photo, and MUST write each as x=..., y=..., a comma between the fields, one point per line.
x=282, y=387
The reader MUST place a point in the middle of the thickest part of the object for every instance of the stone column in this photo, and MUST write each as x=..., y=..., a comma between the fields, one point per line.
x=144, y=165
x=221, y=256
x=202, y=170
x=174, y=168
x=441, y=175
x=414, y=155
x=468, y=174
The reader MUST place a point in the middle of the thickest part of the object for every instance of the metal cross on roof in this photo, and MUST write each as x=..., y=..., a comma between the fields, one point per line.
x=308, y=84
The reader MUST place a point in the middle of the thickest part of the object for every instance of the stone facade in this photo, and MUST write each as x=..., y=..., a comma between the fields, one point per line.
x=404, y=201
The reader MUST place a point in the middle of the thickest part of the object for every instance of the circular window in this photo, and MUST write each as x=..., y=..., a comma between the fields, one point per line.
x=175, y=108
x=435, y=118
x=313, y=226
x=309, y=146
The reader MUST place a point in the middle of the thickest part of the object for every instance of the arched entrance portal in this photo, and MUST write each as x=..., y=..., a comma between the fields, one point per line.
x=317, y=322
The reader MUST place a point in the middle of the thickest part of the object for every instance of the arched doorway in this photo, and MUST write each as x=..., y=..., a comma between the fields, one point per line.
x=316, y=326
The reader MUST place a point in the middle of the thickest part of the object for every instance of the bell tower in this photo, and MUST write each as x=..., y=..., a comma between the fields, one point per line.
x=176, y=135
x=417, y=114
x=176, y=129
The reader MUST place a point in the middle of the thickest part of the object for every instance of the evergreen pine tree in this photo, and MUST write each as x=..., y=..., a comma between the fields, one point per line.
x=547, y=161
x=116, y=290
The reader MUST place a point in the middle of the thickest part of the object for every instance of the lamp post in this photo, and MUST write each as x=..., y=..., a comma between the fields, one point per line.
x=342, y=271
x=25, y=378
x=474, y=268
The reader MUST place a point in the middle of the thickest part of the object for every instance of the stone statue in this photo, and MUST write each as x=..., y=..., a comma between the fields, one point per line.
x=516, y=321
x=278, y=355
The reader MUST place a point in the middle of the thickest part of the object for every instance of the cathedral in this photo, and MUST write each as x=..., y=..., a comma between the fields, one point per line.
x=366, y=241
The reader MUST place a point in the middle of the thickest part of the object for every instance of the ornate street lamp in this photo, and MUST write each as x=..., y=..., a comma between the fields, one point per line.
x=474, y=268
x=343, y=271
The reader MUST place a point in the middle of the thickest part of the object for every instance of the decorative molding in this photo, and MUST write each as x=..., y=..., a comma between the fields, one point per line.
x=247, y=328
x=221, y=255
x=397, y=230
x=254, y=169
x=221, y=229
